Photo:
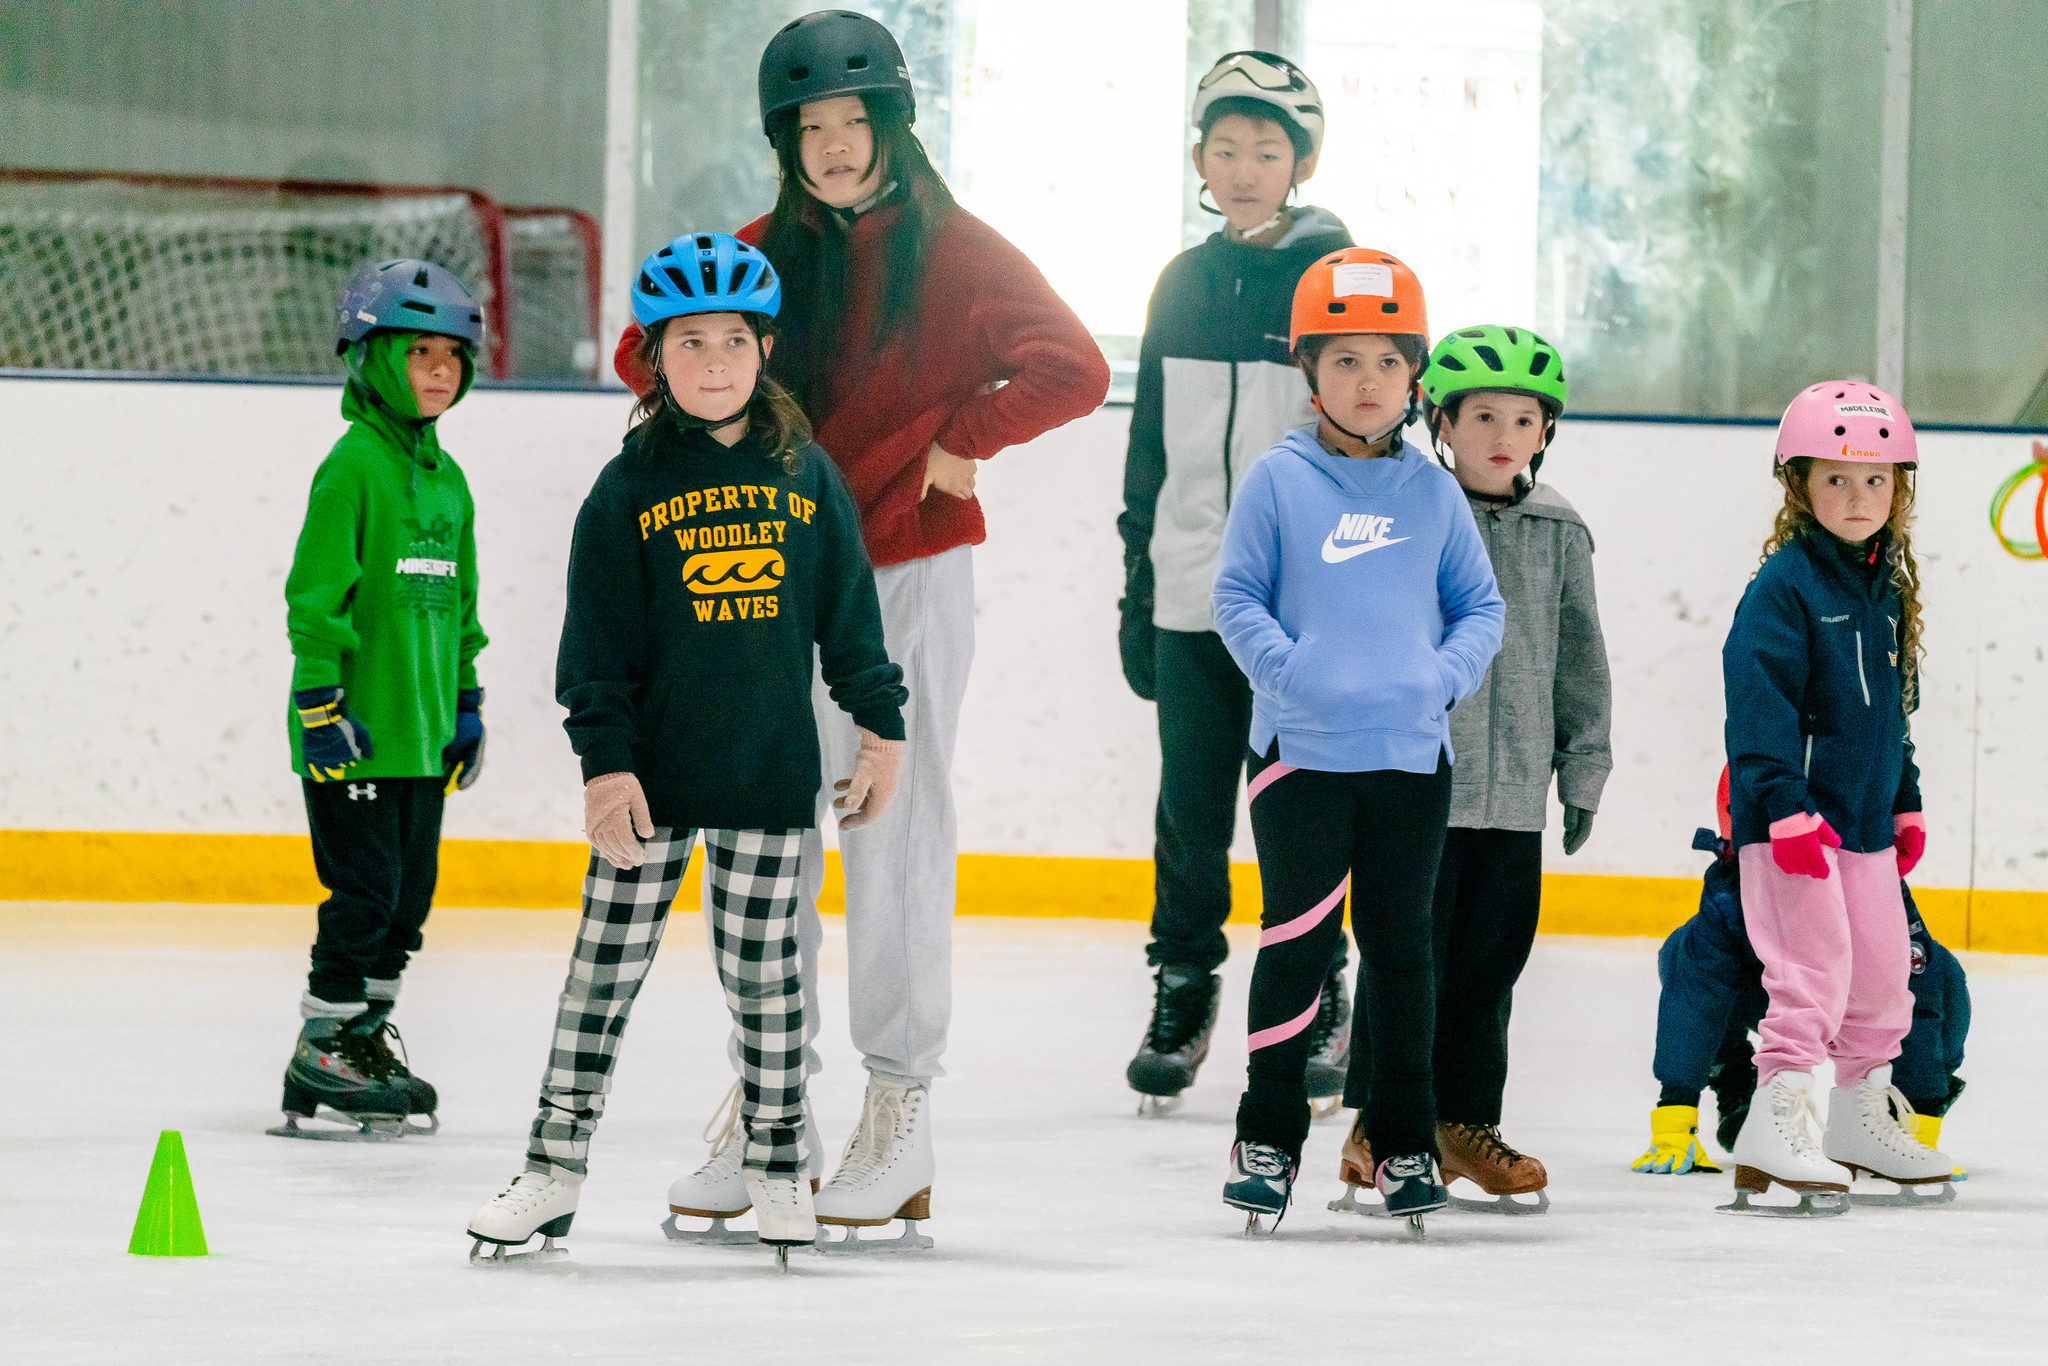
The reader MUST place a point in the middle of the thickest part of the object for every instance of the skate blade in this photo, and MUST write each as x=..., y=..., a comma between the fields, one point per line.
x=1322, y=1107
x=853, y=1245
x=498, y=1256
x=718, y=1235
x=1905, y=1196
x=1157, y=1106
x=1503, y=1204
x=369, y=1129
x=432, y=1126
x=1349, y=1203
x=1812, y=1205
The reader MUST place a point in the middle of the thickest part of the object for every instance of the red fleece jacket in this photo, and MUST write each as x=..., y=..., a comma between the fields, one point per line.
x=986, y=318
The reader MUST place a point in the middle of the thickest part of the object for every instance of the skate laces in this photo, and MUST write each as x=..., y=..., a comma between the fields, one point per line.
x=1262, y=1159
x=1178, y=1012
x=725, y=1122
x=1892, y=1101
x=1329, y=1014
x=1487, y=1140
x=881, y=1117
x=527, y=1190
x=1408, y=1167
x=1800, y=1117
x=366, y=1051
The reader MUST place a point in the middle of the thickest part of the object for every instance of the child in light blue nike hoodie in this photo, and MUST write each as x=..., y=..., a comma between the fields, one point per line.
x=1354, y=591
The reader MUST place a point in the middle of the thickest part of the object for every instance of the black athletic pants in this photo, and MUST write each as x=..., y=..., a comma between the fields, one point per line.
x=1379, y=834
x=1489, y=888
x=376, y=847
x=1205, y=716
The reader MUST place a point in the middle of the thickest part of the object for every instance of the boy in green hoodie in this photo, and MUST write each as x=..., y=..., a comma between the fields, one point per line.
x=386, y=716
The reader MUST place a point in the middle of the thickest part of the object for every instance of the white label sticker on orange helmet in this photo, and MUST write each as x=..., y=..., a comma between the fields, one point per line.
x=1359, y=277
x=1862, y=410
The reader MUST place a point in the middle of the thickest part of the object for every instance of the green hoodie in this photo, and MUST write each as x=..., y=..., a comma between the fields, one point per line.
x=381, y=599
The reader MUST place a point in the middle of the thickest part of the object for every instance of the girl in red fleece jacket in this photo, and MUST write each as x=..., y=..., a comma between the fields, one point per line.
x=919, y=342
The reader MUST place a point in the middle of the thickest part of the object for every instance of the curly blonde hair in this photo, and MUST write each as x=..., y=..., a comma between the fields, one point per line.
x=1796, y=519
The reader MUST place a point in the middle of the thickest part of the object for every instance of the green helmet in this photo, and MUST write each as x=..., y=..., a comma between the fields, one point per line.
x=1510, y=360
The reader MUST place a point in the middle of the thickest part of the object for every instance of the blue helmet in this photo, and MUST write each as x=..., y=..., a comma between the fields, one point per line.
x=705, y=272
x=409, y=296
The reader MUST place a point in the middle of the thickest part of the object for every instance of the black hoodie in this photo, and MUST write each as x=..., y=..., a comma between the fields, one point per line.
x=699, y=579
x=1216, y=389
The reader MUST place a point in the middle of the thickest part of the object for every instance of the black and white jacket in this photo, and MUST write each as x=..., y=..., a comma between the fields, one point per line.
x=1216, y=389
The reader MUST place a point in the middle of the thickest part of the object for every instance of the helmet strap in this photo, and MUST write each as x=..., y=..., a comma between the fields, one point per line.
x=689, y=421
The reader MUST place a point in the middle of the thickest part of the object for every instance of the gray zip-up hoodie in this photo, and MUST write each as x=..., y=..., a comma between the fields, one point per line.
x=1545, y=703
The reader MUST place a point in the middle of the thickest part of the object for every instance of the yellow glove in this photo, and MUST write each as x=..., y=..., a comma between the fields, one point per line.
x=1674, y=1143
x=1927, y=1128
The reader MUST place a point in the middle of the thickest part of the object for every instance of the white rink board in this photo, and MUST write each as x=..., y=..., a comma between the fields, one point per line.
x=145, y=530
x=1068, y=1230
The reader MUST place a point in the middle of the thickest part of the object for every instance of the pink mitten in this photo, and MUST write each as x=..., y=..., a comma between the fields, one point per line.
x=1796, y=844
x=1909, y=838
x=614, y=809
x=866, y=794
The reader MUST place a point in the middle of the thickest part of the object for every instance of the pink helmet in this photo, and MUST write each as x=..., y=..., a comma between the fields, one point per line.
x=1846, y=419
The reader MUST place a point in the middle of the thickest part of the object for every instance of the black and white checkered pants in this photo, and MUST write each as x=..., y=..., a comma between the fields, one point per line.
x=752, y=876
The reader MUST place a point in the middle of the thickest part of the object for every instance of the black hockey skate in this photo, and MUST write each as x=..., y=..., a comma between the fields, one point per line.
x=1261, y=1181
x=337, y=1067
x=376, y=1027
x=1184, y=1004
x=1329, y=1048
x=1733, y=1079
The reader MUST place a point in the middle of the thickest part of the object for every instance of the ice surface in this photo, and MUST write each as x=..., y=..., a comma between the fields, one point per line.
x=1068, y=1229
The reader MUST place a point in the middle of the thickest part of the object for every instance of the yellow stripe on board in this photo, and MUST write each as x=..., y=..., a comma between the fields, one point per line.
x=79, y=865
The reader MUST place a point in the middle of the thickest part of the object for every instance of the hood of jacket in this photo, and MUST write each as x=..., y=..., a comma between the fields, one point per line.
x=379, y=395
x=1379, y=477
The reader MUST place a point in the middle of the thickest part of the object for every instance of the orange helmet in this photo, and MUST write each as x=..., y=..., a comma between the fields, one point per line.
x=1721, y=806
x=1358, y=289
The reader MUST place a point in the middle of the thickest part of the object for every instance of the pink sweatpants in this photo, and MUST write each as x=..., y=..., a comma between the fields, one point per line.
x=1837, y=962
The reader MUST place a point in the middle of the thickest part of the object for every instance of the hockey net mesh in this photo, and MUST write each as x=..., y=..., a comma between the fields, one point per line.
x=554, y=292
x=216, y=278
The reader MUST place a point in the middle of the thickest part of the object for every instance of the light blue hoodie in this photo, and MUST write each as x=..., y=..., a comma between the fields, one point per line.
x=1357, y=597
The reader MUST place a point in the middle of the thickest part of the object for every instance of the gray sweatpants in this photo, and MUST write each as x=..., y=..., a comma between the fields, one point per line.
x=900, y=870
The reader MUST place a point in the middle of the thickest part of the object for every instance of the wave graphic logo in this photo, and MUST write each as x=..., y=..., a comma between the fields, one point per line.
x=756, y=569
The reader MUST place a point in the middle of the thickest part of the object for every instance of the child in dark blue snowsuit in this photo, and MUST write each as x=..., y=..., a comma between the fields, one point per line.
x=1713, y=996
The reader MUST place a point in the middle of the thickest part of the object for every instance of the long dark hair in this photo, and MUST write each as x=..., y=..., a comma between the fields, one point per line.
x=773, y=417
x=807, y=242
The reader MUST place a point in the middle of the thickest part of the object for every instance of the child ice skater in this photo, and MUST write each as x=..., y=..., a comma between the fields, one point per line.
x=1494, y=396
x=1821, y=668
x=919, y=344
x=1713, y=995
x=711, y=556
x=387, y=715
x=1354, y=591
x=1216, y=389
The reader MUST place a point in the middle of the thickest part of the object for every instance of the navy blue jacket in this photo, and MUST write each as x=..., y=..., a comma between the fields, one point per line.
x=1814, y=680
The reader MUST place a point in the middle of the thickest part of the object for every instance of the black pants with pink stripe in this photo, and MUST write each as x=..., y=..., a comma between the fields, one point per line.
x=1377, y=835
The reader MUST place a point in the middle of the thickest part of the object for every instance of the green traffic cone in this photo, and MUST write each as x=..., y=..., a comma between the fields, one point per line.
x=167, y=1225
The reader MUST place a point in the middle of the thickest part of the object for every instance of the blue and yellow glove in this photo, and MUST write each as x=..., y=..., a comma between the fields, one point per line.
x=1674, y=1143
x=462, y=758
x=331, y=740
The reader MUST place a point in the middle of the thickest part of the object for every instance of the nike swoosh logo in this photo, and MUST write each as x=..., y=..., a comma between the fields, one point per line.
x=1332, y=555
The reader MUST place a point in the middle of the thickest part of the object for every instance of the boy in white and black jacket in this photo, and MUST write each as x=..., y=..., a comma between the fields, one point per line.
x=1216, y=388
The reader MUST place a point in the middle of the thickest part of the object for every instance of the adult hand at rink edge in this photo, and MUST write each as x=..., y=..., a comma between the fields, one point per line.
x=1578, y=828
x=614, y=810
x=1909, y=838
x=1796, y=844
x=866, y=794
x=948, y=473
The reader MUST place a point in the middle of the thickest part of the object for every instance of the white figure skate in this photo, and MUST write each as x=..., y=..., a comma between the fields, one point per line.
x=718, y=1190
x=783, y=1206
x=885, y=1172
x=535, y=1202
x=1780, y=1142
x=1871, y=1130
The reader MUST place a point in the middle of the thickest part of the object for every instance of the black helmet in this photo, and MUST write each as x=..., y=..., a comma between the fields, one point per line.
x=831, y=52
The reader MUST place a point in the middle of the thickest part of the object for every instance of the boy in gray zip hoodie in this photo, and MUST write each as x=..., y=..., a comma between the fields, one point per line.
x=1495, y=394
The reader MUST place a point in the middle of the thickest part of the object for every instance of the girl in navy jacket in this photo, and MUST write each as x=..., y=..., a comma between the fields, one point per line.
x=1820, y=669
